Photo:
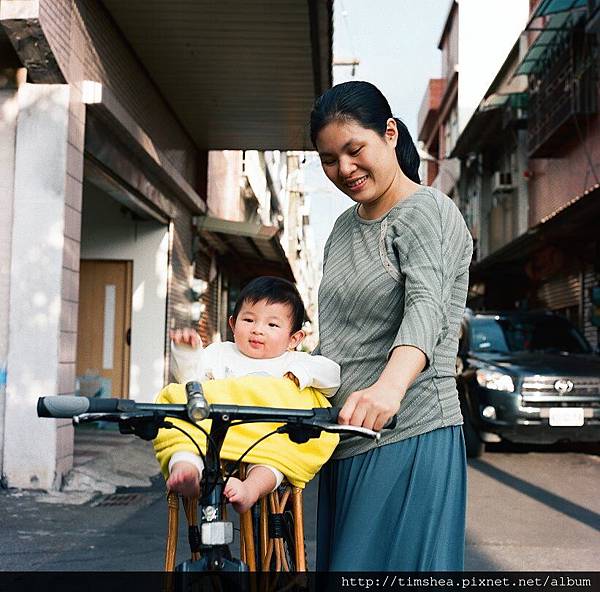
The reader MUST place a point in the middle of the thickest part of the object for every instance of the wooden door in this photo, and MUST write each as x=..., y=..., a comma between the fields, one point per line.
x=104, y=328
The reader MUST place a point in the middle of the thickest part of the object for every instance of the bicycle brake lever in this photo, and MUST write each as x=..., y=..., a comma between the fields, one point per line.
x=144, y=424
x=346, y=429
x=136, y=416
x=87, y=417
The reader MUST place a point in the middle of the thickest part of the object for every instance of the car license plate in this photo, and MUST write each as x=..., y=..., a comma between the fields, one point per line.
x=566, y=416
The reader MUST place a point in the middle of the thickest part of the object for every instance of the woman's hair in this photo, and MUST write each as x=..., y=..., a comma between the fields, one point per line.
x=364, y=103
x=273, y=290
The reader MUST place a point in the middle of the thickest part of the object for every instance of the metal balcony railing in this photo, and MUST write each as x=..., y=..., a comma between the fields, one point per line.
x=564, y=90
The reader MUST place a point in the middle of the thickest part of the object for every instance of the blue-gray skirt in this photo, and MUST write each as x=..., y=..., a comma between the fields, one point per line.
x=400, y=507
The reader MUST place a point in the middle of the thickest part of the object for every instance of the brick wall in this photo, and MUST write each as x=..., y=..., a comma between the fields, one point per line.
x=71, y=254
x=88, y=45
x=178, y=302
x=558, y=180
x=590, y=280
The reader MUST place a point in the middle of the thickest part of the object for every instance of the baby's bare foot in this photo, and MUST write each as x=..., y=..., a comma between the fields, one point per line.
x=184, y=479
x=240, y=494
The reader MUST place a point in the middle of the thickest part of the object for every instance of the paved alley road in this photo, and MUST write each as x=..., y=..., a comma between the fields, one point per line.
x=534, y=509
x=529, y=509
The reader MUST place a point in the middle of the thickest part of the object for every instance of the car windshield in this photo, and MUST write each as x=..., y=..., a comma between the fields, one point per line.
x=534, y=334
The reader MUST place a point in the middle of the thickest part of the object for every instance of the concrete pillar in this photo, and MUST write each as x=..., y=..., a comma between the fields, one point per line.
x=8, y=130
x=47, y=176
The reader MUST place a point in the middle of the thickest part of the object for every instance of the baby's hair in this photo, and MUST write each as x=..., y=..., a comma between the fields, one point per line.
x=273, y=290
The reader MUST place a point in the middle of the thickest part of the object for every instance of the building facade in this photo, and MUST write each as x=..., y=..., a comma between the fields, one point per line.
x=474, y=41
x=108, y=170
x=528, y=178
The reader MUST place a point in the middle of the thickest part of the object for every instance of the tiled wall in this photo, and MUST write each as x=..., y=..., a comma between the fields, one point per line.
x=88, y=45
x=556, y=181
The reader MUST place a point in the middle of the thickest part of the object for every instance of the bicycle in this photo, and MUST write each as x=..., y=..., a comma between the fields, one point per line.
x=215, y=534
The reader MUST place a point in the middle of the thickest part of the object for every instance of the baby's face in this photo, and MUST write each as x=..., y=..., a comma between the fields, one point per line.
x=264, y=330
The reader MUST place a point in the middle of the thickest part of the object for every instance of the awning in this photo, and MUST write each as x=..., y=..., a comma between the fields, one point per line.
x=570, y=228
x=547, y=7
x=245, y=249
x=552, y=33
x=485, y=125
x=239, y=75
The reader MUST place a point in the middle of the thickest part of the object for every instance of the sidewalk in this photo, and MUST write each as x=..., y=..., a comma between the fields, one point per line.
x=76, y=529
x=104, y=461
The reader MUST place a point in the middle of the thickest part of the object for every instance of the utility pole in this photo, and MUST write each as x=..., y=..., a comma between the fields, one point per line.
x=353, y=62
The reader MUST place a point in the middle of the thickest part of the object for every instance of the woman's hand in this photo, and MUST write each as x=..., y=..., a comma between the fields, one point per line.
x=371, y=407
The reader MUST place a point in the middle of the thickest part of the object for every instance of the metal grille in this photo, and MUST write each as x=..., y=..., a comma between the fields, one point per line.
x=119, y=499
x=564, y=89
x=582, y=386
x=561, y=292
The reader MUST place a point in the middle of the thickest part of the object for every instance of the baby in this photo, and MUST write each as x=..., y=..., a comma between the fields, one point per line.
x=267, y=327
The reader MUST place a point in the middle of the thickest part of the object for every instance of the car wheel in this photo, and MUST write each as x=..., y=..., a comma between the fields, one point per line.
x=473, y=444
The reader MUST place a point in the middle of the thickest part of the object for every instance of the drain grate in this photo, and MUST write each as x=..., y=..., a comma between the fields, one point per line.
x=119, y=499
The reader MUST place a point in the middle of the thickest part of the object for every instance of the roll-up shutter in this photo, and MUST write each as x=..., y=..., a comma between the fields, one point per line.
x=590, y=281
x=209, y=321
x=560, y=292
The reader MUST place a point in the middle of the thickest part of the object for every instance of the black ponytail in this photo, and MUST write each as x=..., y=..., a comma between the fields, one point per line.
x=406, y=153
x=364, y=103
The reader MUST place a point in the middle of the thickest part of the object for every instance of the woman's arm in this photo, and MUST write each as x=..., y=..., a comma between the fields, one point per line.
x=374, y=406
x=423, y=261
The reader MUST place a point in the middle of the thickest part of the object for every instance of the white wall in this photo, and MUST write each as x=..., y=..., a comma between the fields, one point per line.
x=39, y=169
x=487, y=30
x=9, y=109
x=108, y=233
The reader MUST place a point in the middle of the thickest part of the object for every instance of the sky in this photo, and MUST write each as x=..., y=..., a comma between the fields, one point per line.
x=396, y=42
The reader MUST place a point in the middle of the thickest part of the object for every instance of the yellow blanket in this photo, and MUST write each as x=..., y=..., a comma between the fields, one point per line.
x=298, y=462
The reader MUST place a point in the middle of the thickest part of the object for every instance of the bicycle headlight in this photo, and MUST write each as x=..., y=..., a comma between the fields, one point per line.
x=495, y=381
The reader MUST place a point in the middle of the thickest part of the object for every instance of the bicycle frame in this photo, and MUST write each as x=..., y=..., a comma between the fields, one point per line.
x=215, y=533
x=145, y=419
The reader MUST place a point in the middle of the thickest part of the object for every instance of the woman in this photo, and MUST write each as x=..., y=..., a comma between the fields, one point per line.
x=394, y=286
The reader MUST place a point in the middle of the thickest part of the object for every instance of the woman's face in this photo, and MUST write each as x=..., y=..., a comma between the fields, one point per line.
x=358, y=160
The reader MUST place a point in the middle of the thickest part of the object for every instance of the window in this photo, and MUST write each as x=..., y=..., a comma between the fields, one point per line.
x=550, y=334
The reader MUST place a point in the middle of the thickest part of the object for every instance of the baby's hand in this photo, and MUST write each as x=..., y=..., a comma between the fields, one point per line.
x=293, y=378
x=187, y=337
x=184, y=479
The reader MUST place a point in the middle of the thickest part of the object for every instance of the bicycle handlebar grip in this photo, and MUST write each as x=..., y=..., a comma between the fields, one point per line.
x=62, y=406
x=68, y=406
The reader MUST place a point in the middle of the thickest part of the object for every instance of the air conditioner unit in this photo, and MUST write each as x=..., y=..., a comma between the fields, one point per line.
x=502, y=182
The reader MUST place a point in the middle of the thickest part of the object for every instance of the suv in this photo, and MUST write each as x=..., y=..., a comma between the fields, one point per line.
x=526, y=377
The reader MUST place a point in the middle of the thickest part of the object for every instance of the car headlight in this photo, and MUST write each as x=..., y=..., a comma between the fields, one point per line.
x=495, y=381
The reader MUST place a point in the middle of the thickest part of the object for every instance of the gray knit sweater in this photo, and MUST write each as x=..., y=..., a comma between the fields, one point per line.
x=399, y=280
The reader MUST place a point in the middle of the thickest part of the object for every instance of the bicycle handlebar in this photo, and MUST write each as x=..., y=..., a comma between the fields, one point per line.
x=69, y=406
x=66, y=406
